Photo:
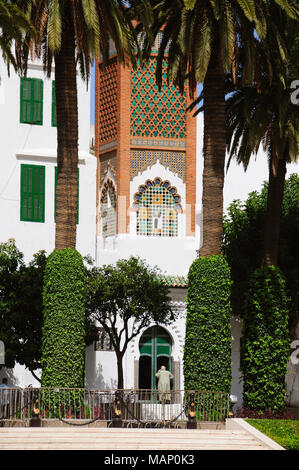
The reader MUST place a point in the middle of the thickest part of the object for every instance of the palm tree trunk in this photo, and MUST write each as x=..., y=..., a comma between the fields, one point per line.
x=274, y=207
x=67, y=140
x=214, y=156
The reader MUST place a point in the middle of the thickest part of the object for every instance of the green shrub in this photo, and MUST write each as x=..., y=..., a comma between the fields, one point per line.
x=63, y=332
x=265, y=343
x=207, y=352
x=57, y=402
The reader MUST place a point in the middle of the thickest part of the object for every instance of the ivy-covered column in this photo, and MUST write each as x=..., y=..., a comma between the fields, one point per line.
x=265, y=344
x=207, y=353
x=63, y=333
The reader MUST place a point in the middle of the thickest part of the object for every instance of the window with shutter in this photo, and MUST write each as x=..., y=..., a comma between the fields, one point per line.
x=32, y=193
x=54, y=123
x=55, y=196
x=31, y=103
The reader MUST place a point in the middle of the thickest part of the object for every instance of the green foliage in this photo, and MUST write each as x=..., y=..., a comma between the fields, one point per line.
x=86, y=21
x=265, y=344
x=21, y=306
x=284, y=432
x=64, y=321
x=207, y=352
x=13, y=24
x=243, y=243
x=57, y=403
x=261, y=113
x=126, y=298
x=194, y=31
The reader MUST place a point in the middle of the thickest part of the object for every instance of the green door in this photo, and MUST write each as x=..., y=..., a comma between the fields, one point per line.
x=155, y=351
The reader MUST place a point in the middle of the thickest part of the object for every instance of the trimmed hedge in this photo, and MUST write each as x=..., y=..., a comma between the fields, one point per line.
x=265, y=345
x=63, y=333
x=207, y=352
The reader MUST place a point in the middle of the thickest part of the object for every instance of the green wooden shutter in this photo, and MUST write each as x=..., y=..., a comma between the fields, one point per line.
x=32, y=193
x=54, y=122
x=31, y=101
x=37, y=102
x=25, y=104
x=55, y=196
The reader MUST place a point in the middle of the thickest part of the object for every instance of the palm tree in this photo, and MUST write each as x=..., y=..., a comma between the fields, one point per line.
x=13, y=26
x=204, y=38
x=71, y=32
x=265, y=116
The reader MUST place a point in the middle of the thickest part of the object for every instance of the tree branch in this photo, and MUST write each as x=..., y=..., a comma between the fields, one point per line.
x=35, y=376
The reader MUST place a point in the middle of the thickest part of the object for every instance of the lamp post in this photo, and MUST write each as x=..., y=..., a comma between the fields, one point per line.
x=117, y=419
x=191, y=423
x=35, y=421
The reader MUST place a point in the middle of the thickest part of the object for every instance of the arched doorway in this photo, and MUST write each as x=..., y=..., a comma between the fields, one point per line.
x=155, y=347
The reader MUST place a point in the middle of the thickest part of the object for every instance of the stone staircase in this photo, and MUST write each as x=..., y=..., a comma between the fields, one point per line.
x=75, y=438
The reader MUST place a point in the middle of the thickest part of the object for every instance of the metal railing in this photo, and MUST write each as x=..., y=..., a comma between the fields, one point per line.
x=134, y=406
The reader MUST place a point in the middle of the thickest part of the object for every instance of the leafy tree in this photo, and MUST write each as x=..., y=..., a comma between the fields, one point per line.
x=63, y=330
x=263, y=115
x=265, y=348
x=207, y=350
x=242, y=243
x=13, y=26
x=124, y=299
x=10, y=261
x=21, y=307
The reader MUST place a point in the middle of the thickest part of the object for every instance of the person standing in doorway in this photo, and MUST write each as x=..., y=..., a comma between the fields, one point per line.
x=164, y=377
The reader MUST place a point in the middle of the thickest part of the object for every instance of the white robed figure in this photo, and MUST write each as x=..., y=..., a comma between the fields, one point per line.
x=164, y=377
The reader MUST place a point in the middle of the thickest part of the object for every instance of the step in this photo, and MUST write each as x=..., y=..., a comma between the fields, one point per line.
x=125, y=439
x=131, y=447
x=118, y=431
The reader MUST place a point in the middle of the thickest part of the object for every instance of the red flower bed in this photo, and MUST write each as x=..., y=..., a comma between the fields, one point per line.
x=257, y=414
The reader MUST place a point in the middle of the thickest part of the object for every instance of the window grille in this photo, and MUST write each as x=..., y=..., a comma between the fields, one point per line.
x=108, y=210
x=158, y=204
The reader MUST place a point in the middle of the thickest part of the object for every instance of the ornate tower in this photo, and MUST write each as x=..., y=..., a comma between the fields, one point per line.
x=145, y=143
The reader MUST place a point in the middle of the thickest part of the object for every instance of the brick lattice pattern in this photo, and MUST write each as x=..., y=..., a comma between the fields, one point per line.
x=155, y=113
x=108, y=101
